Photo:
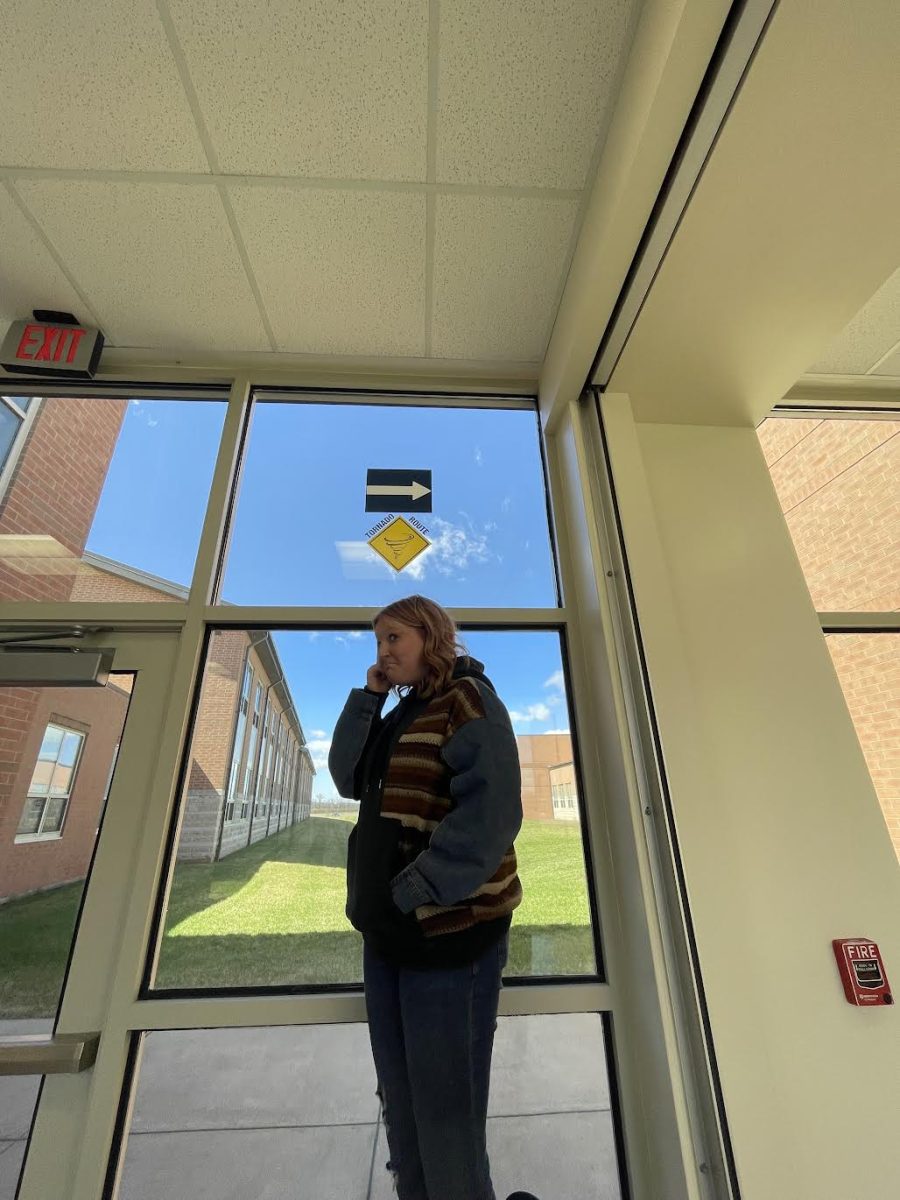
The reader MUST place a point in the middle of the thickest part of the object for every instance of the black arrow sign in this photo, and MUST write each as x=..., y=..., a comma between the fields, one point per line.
x=398, y=491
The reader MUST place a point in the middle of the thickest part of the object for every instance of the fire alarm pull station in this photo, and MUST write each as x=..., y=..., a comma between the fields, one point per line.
x=862, y=972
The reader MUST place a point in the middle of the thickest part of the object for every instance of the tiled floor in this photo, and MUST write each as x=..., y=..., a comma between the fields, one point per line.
x=292, y=1113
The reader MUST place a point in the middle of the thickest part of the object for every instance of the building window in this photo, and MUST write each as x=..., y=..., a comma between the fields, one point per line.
x=265, y=750
x=251, y=751
x=238, y=742
x=13, y=411
x=51, y=784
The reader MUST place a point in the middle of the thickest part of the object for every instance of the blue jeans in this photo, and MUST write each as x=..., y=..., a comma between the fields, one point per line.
x=432, y=1034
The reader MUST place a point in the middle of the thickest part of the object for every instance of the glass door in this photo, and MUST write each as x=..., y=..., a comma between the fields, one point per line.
x=250, y=1065
x=81, y=718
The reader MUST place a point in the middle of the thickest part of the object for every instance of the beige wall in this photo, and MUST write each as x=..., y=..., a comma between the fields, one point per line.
x=783, y=843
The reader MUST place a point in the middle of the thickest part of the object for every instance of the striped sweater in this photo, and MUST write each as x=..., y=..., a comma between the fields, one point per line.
x=432, y=852
x=452, y=784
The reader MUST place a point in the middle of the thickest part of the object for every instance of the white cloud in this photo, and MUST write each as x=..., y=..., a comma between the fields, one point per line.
x=359, y=561
x=355, y=634
x=479, y=457
x=318, y=733
x=565, y=731
x=534, y=712
x=142, y=412
x=318, y=748
x=453, y=549
x=315, y=634
x=556, y=680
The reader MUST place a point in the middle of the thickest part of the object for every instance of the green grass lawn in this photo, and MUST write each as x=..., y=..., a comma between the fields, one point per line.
x=274, y=914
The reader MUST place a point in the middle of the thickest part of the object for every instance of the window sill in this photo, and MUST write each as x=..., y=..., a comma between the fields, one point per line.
x=37, y=837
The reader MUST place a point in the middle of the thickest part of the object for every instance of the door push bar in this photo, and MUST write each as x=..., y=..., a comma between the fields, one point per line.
x=37, y=1054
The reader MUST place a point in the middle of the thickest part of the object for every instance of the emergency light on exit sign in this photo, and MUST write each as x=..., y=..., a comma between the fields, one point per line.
x=54, y=343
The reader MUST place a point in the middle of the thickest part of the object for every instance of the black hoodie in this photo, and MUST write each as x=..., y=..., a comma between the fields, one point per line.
x=373, y=851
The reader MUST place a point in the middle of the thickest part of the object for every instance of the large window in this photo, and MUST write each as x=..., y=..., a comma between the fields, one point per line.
x=838, y=480
x=51, y=784
x=102, y=498
x=301, y=529
x=266, y=904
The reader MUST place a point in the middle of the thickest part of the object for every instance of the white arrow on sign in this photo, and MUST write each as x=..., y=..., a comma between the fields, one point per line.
x=414, y=490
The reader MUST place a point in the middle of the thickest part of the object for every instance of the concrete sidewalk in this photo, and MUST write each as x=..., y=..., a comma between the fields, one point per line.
x=291, y=1112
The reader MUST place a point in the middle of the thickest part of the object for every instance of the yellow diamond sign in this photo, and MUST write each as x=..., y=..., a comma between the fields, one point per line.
x=398, y=543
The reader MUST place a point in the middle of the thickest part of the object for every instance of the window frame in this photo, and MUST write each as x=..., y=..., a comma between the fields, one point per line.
x=54, y=835
x=26, y=420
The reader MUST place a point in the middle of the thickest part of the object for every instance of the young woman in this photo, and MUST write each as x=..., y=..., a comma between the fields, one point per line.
x=431, y=885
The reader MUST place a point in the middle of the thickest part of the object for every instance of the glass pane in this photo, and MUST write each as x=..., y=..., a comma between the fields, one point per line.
x=31, y=815
x=51, y=744
x=53, y=815
x=41, y=882
x=868, y=666
x=301, y=527
x=108, y=499
x=293, y=1112
x=838, y=481
x=9, y=427
x=69, y=750
x=62, y=781
x=259, y=900
x=40, y=781
x=21, y=402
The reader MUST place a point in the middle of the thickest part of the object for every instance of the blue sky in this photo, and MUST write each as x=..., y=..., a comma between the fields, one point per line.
x=300, y=531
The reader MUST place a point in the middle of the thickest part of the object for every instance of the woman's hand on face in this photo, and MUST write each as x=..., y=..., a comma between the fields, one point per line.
x=376, y=680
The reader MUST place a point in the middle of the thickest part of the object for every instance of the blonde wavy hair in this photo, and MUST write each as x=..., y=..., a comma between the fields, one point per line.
x=442, y=644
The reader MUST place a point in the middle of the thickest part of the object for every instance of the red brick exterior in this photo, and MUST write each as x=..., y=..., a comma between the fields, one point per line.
x=838, y=482
x=100, y=716
x=51, y=499
x=54, y=493
x=538, y=752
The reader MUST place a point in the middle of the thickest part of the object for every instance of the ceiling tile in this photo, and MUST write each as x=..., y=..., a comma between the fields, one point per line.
x=341, y=271
x=308, y=87
x=157, y=261
x=526, y=88
x=868, y=337
x=92, y=86
x=29, y=276
x=498, y=268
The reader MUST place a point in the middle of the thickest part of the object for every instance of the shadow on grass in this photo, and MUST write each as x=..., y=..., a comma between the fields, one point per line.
x=36, y=931
x=335, y=957
x=31, y=982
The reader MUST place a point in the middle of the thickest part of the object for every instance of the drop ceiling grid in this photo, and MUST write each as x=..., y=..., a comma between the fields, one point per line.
x=185, y=29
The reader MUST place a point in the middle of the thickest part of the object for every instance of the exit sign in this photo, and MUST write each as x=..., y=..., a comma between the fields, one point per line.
x=57, y=346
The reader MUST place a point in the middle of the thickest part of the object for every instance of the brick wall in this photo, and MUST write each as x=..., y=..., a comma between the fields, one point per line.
x=211, y=751
x=538, y=752
x=868, y=666
x=838, y=482
x=100, y=715
x=46, y=515
x=53, y=495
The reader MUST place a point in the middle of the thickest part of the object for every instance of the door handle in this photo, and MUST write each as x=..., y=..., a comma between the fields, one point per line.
x=40, y=1054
